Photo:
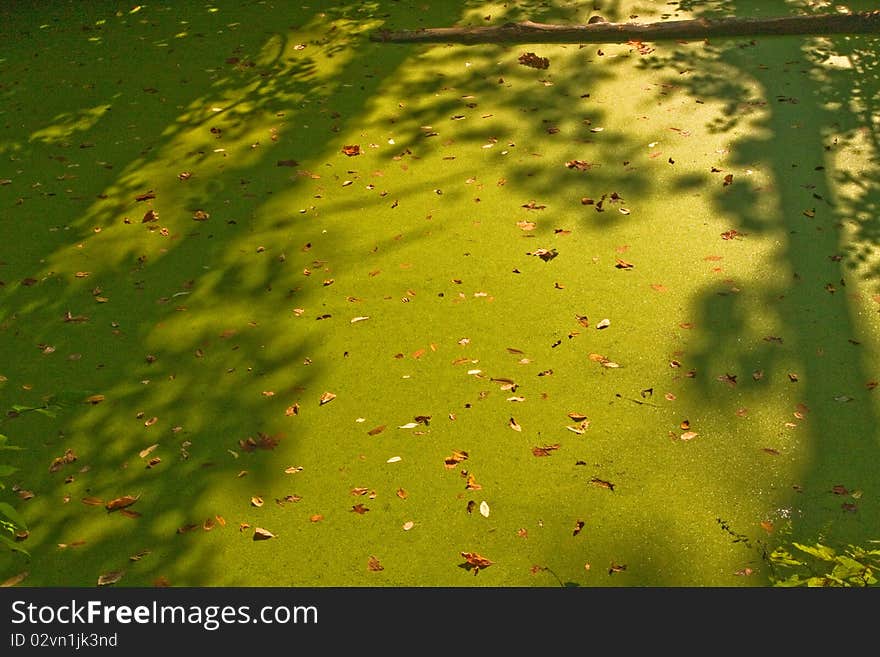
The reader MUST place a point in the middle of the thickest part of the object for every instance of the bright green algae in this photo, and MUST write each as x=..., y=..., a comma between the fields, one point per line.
x=447, y=283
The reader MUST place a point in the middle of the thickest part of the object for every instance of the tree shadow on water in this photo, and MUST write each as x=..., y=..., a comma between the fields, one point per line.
x=151, y=266
x=800, y=113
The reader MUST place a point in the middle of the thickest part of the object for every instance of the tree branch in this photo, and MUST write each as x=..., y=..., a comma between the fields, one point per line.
x=866, y=22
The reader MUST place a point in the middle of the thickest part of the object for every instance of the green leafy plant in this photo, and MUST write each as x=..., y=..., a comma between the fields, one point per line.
x=10, y=521
x=823, y=566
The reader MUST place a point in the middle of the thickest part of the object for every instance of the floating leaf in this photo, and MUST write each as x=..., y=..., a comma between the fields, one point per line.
x=376, y=430
x=601, y=483
x=261, y=534
x=409, y=524
x=409, y=425
x=257, y=501
x=484, y=509
x=514, y=425
x=688, y=435
x=15, y=579
x=374, y=565
x=326, y=398
x=545, y=450
x=457, y=457
x=605, y=323
x=532, y=60
x=147, y=451
x=578, y=526
x=472, y=483
x=61, y=461
x=475, y=562
x=110, y=578
x=351, y=150
x=121, y=502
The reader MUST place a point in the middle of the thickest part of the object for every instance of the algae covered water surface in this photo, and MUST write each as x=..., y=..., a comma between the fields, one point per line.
x=283, y=306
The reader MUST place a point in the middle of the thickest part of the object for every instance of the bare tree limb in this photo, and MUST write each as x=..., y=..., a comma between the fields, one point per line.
x=866, y=22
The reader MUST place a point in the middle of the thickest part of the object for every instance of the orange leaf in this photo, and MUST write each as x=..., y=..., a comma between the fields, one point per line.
x=374, y=565
x=121, y=502
x=475, y=562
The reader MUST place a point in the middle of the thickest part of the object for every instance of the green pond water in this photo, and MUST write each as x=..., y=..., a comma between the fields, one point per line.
x=610, y=323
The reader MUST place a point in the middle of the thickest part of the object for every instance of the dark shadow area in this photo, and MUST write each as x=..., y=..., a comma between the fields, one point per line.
x=802, y=112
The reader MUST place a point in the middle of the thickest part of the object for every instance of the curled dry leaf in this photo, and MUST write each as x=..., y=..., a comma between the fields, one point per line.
x=148, y=450
x=261, y=534
x=257, y=501
x=351, y=150
x=374, y=565
x=514, y=425
x=545, y=450
x=61, y=461
x=121, y=502
x=475, y=562
x=409, y=524
x=457, y=457
x=376, y=430
x=326, y=398
x=15, y=579
x=110, y=578
x=532, y=60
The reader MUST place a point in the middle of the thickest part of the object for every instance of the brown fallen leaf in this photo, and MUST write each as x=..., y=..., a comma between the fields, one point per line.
x=201, y=215
x=316, y=518
x=401, y=493
x=376, y=430
x=601, y=483
x=94, y=399
x=532, y=60
x=351, y=150
x=578, y=526
x=93, y=501
x=359, y=508
x=261, y=534
x=61, y=461
x=544, y=450
x=475, y=562
x=110, y=578
x=149, y=450
x=457, y=457
x=15, y=579
x=121, y=502
x=374, y=565
x=472, y=483
x=151, y=215
x=326, y=398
